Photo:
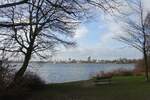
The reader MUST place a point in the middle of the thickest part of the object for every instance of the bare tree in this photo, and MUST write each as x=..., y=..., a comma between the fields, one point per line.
x=37, y=28
x=138, y=32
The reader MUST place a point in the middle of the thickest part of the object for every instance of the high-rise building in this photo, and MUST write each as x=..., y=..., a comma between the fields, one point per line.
x=89, y=59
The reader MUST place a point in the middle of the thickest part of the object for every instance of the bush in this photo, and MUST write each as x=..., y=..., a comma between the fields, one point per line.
x=32, y=81
x=6, y=74
x=122, y=72
x=22, y=88
x=118, y=72
x=100, y=75
x=139, y=67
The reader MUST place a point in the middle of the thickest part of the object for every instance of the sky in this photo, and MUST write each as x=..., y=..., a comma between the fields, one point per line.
x=96, y=38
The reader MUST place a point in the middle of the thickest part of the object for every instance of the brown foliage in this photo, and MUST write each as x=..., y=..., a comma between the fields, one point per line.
x=122, y=72
x=140, y=67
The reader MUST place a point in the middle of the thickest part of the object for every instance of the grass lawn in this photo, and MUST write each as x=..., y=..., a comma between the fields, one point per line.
x=122, y=88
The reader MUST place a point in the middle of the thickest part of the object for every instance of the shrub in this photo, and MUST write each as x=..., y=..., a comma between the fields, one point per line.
x=122, y=72
x=139, y=67
x=101, y=74
x=32, y=81
x=118, y=72
x=6, y=74
x=22, y=88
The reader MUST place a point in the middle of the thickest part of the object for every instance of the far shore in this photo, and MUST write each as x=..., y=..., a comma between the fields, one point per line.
x=70, y=62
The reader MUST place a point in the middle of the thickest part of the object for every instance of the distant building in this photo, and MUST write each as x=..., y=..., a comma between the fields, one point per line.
x=69, y=59
x=89, y=59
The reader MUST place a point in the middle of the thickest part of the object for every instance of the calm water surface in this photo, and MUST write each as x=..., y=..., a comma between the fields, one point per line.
x=59, y=73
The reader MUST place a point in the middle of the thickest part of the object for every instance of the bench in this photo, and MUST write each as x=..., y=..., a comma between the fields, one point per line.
x=106, y=79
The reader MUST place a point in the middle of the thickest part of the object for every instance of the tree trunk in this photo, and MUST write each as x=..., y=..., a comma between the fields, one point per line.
x=22, y=70
x=27, y=58
x=146, y=66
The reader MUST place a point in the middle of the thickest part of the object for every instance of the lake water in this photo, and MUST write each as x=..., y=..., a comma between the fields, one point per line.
x=59, y=73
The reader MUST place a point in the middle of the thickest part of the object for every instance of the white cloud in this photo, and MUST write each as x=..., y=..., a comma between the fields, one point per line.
x=113, y=30
x=81, y=31
x=147, y=4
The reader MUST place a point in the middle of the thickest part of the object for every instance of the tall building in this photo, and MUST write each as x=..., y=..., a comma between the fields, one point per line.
x=89, y=59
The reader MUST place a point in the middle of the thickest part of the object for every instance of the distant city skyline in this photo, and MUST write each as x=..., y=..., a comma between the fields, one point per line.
x=89, y=59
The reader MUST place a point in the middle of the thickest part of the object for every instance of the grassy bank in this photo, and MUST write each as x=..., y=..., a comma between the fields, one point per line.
x=122, y=88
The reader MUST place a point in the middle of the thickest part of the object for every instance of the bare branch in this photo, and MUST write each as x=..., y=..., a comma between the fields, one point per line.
x=13, y=4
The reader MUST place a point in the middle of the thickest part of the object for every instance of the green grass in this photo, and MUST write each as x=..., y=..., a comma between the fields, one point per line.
x=122, y=88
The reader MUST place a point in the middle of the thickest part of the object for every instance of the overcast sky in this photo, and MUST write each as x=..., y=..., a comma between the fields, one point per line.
x=96, y=39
